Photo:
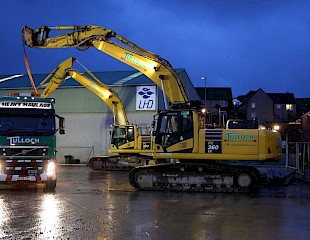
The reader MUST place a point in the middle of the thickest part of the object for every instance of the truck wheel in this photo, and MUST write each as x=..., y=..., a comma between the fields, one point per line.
x=50, y=185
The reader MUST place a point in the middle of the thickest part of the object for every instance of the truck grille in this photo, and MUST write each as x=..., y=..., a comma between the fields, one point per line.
x=23, y=151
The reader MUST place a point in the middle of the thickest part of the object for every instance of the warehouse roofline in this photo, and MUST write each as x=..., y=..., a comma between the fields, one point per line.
x=111, y=78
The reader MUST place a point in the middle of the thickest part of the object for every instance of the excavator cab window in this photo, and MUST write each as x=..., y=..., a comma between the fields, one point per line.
x=122, y=135
x=187, y=125
x=130, y=134
x=174, y=127
x=118, y=136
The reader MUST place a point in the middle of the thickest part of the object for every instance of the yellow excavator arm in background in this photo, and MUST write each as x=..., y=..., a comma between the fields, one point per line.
x=63, y=70
x=156, y=68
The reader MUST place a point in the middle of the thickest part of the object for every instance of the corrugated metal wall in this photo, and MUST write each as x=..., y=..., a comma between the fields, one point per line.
x=88, y=134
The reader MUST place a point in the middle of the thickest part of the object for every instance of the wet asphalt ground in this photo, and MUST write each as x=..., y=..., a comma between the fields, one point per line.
x=93, y=204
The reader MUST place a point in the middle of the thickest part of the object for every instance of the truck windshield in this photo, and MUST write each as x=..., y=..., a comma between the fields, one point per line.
x=25, y=124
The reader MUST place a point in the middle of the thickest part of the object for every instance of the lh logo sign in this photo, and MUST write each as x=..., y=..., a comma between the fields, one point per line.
x=145, y=98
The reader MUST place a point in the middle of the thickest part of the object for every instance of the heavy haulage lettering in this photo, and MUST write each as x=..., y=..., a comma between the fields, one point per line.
x=25, y=105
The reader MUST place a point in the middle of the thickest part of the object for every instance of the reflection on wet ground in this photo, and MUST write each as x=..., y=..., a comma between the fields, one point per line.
x=89, y=204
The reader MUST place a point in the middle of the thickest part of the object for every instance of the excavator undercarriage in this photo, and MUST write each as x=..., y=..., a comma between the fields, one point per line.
x=208, y=177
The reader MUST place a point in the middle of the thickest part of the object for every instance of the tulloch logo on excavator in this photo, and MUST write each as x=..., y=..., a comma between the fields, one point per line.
x=236, y=137
x=129, y=57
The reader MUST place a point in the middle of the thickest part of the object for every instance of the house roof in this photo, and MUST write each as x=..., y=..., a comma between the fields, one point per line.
x=244, y=98
x=282, y=98
x=220, y=93
x=277, y=98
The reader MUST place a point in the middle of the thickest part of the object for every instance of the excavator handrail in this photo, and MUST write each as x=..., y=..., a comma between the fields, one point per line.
x=156, y=68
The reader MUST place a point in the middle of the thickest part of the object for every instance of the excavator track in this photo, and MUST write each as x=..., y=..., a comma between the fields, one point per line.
x=118, y=162
x=195, y=177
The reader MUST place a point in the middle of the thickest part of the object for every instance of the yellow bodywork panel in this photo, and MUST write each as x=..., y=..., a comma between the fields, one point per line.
x=230, y=145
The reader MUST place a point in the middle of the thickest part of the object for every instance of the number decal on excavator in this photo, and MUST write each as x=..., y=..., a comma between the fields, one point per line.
x=214, y=147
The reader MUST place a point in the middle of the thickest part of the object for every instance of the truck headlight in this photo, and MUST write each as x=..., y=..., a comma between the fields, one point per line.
x=51, y=169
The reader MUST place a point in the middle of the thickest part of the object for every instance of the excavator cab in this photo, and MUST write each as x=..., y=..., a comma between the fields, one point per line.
x=174, y=126
x=122, y=135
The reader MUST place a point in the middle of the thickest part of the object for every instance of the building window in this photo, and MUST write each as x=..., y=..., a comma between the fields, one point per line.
x=278, y=106
x=223, y=103
x=253, y=115
x=289, y=107
x=278, y=116
x=253, y=105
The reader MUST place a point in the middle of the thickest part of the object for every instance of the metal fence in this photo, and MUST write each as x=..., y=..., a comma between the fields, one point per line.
x=297, y=155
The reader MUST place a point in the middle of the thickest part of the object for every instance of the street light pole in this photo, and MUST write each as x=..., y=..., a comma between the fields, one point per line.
x=205, y=79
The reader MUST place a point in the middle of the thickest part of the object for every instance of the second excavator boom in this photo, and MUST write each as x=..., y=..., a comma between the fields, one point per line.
x=127, y=139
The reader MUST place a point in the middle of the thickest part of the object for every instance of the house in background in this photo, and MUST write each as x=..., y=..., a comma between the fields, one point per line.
x=305, y=122
x=267, y=107
x=284, y=107
x=302, y=106
x=218, y=104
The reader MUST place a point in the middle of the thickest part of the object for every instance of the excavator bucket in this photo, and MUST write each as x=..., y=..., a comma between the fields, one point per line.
x=28, y=36
x=33, y=38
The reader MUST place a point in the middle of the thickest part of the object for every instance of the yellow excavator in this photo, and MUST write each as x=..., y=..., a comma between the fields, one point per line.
x=131, y=142
x=156, y=68
x=200, y=159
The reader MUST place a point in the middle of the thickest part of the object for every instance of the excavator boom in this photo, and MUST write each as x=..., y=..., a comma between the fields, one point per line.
x=56, y=77
x=157, y=69
x=63, y=70
x=126, y=139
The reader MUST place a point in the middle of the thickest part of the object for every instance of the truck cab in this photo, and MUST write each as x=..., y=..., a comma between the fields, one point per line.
x=28, y=141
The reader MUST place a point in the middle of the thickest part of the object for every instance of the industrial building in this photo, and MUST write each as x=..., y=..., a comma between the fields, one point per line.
x=88, y=119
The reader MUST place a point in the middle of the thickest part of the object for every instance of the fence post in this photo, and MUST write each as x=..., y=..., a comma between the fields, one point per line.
x=286, y=150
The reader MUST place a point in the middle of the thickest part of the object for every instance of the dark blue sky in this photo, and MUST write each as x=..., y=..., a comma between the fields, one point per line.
x=245, y=45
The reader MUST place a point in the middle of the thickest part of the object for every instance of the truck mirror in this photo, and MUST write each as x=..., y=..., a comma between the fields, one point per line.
x=61, y=124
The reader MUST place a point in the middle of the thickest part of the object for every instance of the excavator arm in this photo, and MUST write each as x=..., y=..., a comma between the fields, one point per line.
x=126, y=140
x=64, y=70
x=156, y=68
